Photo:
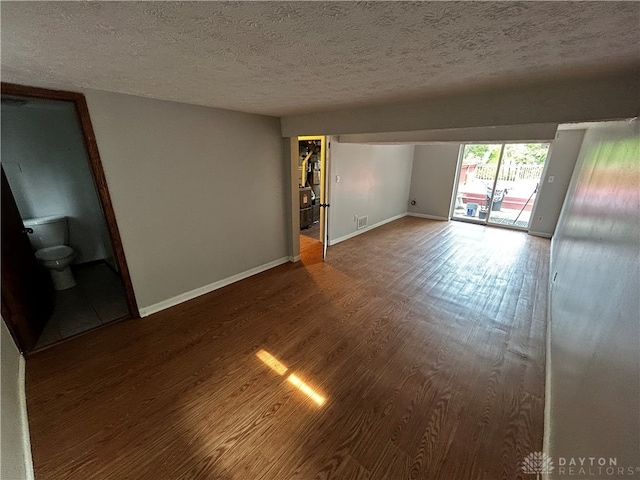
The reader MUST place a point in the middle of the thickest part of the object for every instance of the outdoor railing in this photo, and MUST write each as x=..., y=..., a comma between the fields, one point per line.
x=509, y=173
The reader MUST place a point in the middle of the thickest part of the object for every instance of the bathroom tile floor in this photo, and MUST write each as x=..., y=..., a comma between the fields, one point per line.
x=97, y=299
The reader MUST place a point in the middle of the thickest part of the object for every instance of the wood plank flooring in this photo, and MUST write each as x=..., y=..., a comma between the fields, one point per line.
x=425, y=339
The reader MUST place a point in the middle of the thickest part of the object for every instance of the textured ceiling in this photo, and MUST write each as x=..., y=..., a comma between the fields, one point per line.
x=280, y=58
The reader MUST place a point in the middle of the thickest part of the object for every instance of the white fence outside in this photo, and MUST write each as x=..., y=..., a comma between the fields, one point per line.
x=509, y=173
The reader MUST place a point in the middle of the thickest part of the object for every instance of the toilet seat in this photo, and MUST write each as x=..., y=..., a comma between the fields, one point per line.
x=58, y=260
x=52, y=254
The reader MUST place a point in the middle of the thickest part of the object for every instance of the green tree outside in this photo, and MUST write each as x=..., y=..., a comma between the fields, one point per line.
x=518, y=153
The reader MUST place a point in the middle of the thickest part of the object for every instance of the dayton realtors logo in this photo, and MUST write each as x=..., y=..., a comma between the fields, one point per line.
x=537, y=463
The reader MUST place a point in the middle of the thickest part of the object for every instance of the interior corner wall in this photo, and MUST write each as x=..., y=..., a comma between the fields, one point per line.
x=374, y=181
x=199, y=193
x=562, y=158
x=594, y=328
x=15, y=453
x=433, y=179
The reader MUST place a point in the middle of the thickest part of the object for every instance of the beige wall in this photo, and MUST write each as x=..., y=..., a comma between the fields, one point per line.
x=200, y=194
x=593, y=392
x=15, y=458
x=374, y=181
x=606, y=97
x=561, y=161
x=433, y=179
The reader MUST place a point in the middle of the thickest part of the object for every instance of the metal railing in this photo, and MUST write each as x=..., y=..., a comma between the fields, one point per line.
x=509, y=173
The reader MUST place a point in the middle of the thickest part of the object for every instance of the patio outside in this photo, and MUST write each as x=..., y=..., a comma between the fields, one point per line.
x=518, y=175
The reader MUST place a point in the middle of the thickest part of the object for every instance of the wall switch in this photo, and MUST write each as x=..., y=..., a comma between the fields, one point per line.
x=551, y=178
x=337, y=178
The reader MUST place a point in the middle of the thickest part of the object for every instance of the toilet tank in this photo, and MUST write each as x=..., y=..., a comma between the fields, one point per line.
x=48, y=231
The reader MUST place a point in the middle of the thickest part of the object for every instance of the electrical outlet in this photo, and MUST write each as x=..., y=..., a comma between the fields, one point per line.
x=540, y=218
x=337, y=178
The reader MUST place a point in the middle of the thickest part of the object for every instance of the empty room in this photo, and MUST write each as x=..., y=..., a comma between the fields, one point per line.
x=320, y=240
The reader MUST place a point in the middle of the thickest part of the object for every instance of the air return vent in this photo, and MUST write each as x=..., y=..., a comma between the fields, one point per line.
x=363, y=222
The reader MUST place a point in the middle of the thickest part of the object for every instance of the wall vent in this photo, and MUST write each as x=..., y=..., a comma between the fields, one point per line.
x=363, y=222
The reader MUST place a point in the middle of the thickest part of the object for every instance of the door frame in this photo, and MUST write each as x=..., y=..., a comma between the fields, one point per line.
x=503, y=144
x=293, y=150
x=323, y=178
x=97, y=173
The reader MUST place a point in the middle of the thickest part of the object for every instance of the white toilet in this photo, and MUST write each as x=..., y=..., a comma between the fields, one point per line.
x=49, y=238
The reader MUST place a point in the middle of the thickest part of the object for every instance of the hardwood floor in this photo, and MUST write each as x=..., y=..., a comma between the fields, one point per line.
x=424, y=339
x=310, y=251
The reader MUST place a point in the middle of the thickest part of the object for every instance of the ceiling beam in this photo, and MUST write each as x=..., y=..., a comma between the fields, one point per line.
x=607, y=97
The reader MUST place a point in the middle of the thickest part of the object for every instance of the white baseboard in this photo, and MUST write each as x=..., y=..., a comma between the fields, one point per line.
x=24, y=420
x=546, y=429
x=295, y=259
x=540, y=234
x=370, y=227
x=183, y=297
x=430, y=217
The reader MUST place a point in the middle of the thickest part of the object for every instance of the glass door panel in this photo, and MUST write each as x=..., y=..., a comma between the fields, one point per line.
x=517, y=184
x=475, y=181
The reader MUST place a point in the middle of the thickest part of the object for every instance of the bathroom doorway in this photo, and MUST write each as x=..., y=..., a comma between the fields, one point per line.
x=57, y=221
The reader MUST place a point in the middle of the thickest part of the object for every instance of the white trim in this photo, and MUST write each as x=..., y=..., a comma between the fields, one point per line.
x=540, y=234
x=430, y=217
x=295, y=259
x=183, y=297
x=456, y=180
x=370, y=227
x=24, y=420
x=546, y=428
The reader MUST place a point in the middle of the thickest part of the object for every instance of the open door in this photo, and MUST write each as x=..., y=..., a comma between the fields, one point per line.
x=27, y=292
x=324, y=197
x=313, y=182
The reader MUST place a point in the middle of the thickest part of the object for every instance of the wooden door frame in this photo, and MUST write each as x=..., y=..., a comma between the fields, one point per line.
x=97, y=173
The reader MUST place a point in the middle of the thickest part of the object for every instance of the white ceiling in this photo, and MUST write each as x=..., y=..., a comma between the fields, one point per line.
x=281, y=58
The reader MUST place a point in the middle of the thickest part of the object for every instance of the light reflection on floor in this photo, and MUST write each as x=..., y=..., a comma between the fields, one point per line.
x=274, y=364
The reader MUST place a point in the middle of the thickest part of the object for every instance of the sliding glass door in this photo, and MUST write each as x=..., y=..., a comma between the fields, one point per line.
x=497, y=183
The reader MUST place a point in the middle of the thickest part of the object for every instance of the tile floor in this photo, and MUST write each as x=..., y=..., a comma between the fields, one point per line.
x=98, y=298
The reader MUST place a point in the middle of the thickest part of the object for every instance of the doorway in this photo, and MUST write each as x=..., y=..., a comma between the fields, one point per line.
x=498, y=183
x=312, y=163
x=59, y=222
